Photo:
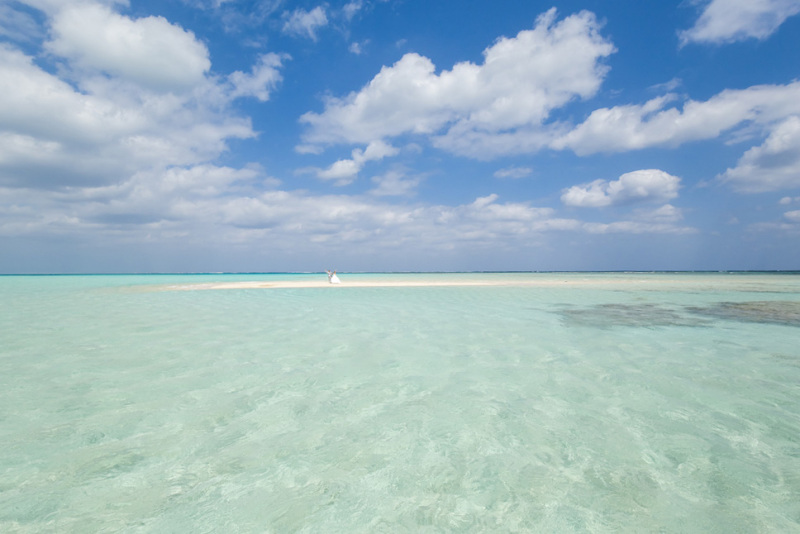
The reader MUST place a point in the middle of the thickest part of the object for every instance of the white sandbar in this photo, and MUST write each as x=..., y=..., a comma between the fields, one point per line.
x=626, y=281
x=362, y=283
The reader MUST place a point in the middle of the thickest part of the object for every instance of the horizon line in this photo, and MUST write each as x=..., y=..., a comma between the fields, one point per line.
x=587, y=271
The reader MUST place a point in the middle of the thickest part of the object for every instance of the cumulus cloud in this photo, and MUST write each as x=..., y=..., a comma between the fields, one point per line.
x=204, y=205
x=793, y=216
x=302, y=23
x=148, y=51
x=94, y=144
x=772, y=111
x=772, y=166
x=356, y=48
x=521, y=80
x=352, y=8
x=665, y=214
x=127, y=96
x=724, y=21
x=394, y=183
x=344, y=171
x=145, y=202
x=649, y=185
x=636, y=227
x=487, y=208
x=56, y=136
x=632, y=127
x=263, y=78
x=171, y=194
x=173, y=203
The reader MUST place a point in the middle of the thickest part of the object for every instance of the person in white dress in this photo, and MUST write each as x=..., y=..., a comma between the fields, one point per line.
x=332, y=278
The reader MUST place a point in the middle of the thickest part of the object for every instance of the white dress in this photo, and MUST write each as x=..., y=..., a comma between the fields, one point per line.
x=334, y=279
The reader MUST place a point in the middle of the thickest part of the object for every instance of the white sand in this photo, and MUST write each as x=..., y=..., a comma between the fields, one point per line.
x=310, y=284
x=397, y=283
x=638, y=281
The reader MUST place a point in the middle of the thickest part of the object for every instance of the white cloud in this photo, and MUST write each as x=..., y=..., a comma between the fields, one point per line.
x=724, y=21
x=264, y=77
x=134, y=206
x=793, y=216
x=665, y=214
x=770, y=110
x=633, y=127
x=302, y=23
x=513, y=172
x=357, y=48
x=345, y=171
x=772, y=166
x=485, y=145
x=121, y=101
x=55, y=136
x=98, y=148
x=788, y=200
x=377, y=150
x=649, y=185
x=309, y=149
x=206, y=205
x=487, y=208
x=521, y=80
x=636, y=227
x=339, y=218
x=667, y=87
x=394, y=183
x=484, y=111
x=148, y=51
x=352, y=8
x=171, y=194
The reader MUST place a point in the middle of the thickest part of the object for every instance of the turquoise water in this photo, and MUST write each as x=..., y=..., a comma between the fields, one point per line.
x=588, y=403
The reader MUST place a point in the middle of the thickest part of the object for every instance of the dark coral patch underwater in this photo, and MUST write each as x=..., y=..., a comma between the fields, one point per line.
x=638, y=315
x=785, y=313
x=780, y=312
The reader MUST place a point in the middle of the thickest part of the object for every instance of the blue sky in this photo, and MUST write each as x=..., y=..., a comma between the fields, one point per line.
x=382, y=135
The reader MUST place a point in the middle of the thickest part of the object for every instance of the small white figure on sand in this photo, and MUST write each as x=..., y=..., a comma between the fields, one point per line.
x=332, y=278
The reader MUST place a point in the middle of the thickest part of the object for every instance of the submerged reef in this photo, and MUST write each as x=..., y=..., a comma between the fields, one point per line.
x=642, y=315
x=778, y=312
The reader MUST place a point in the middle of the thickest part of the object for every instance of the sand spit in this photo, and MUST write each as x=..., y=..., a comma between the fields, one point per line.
x=375, y=283
x=770, y=284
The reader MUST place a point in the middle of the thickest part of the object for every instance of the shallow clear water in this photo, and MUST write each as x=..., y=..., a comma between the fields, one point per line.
x=591, y=403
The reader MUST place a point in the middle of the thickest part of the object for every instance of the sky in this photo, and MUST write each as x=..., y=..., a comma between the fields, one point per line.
x=399, y=135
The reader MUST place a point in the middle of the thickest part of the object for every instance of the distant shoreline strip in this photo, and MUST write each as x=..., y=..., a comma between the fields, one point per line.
x=583, y=283
x=375, y=283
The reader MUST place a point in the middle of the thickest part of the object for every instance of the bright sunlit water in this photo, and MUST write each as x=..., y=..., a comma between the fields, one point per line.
x=589, y=403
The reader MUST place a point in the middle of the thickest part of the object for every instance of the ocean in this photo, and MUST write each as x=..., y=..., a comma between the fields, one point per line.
x=496, y=402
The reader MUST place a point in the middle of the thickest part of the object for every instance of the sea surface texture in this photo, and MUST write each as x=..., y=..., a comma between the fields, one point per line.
x=541, y=402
